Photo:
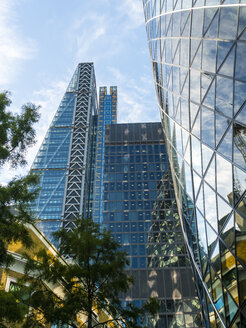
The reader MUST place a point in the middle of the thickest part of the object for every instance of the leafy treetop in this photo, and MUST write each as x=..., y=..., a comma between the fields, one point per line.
x=16, y=135
x=91, y=282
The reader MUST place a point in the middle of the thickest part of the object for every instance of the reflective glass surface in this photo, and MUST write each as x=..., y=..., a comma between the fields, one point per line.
x=107, y=114
x=139, y=208
x=62, y=159
x=51, y=163
x=210, y=171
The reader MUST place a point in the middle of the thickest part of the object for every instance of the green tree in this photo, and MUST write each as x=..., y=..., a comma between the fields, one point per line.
x=16, y=135
x=93, y=279
x=11, y=312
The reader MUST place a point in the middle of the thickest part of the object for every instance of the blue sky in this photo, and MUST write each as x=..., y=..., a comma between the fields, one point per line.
x=43, y=41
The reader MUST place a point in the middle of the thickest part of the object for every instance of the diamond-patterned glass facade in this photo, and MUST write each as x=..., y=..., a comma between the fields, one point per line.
x=199, y=64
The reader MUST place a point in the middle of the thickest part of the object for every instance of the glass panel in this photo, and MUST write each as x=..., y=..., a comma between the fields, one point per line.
x=218, y=296
x=175, y=51
x=196, y=128
x=230, y=306
x=178, y=139
x=224, y=178
x=221, y=126
x=223, y=211
x=228, y=66
x=185, y=135
x=239, y=138
x=207, y=154
x=200, y=201
x=195, y=86
x=183, y=75
x=196, y=61
x=197, y=22
x=209, y=55
x=208, y=127
x=210, y=174
x=240, y=62
x=240, y=225
x=196, y=154
x=184, y=58
x=202, y=233
x=215, y=257
x=241, y=116
x=210, y=206
x=242, y=19
x=188, y=180
x=185, y=24
x=197, y=182
x=228, y=23
x=225, y=147
x=187, y=153
x=239, y=97
x=207, y=79
x=185, y=114
x=242, y=285
x=210, y=96
x=222, y=51
x=193, y=112
x=228, y=233
x=213, y=28
x=212, y=2
x=224, y=95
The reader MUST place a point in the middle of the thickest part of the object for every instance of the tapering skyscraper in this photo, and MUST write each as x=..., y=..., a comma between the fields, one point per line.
x=63, y=157
x=198, y=58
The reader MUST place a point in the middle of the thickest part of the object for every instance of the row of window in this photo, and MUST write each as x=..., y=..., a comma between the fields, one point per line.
x=147, y=185
x=127, y=216
x=133, y=176
x=135, y=149
x=128, y=205
x=158, y=262
x=138, y=168
x=150, y=248
x=127, y=238
x=127, y=195
x=171, y=306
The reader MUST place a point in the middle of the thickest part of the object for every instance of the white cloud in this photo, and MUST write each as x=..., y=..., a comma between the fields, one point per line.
x=106, y=32
x=49, y=99
x=13, y=47
x=118, y=76
x=135, y=98
x=87, y=32
x=134, y=11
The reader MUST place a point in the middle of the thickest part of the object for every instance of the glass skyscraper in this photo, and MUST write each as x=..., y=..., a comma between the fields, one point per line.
x=139, y=208
x=62, y=160
x=198, y=58
x=107, y=114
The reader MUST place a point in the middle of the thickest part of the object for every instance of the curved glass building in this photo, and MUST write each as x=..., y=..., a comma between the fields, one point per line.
x=198, y=53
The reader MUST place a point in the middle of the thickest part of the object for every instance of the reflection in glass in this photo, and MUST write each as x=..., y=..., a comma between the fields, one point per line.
x=214, y=172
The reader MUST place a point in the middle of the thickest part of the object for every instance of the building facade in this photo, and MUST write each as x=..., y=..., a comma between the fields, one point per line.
x=107, y=114
x=119, y=175
x=197, y=52
x=139, y=208
x=62, y=160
